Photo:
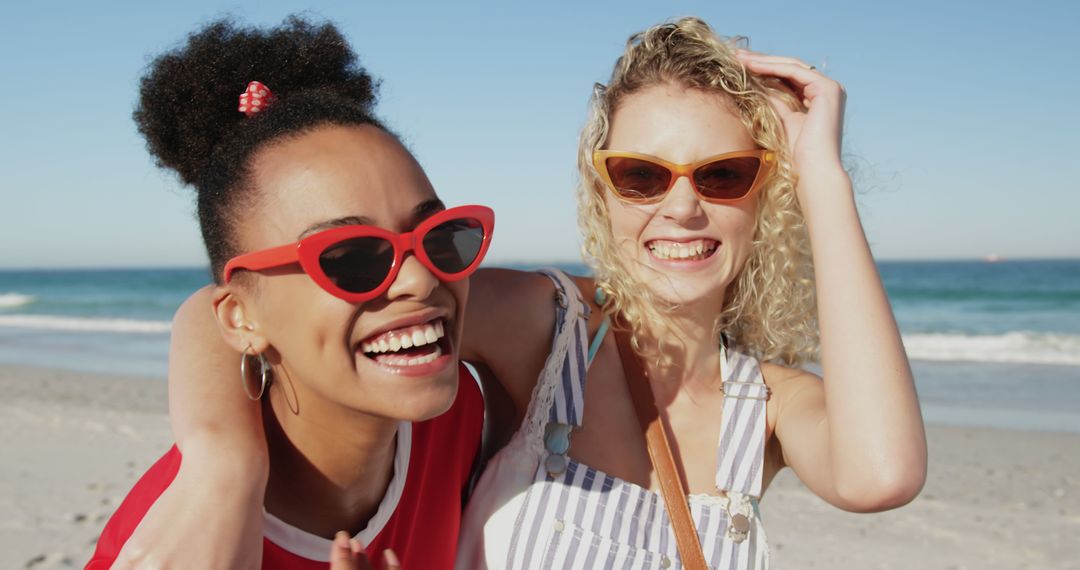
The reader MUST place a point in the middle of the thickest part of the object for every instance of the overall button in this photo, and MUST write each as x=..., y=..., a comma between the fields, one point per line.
x=560, y=297
x=738, y=528
x=555, y=464
x=557, y=437
x=741, y=523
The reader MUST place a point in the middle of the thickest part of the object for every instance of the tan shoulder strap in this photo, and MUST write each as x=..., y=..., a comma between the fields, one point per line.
x=660, y=453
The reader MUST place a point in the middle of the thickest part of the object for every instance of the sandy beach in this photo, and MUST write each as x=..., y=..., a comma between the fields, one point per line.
x=71, y=445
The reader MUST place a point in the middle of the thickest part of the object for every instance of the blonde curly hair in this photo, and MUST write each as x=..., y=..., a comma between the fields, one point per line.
x=770, y=308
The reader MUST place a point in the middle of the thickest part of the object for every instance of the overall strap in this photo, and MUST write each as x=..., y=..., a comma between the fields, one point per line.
x=564, y=371
x=742, y=434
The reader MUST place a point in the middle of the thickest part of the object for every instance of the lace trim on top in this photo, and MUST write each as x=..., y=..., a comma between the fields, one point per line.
x=568, y=307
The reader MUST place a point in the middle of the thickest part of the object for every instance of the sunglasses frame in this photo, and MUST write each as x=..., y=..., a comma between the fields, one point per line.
x=307, y=251
x=767, y=160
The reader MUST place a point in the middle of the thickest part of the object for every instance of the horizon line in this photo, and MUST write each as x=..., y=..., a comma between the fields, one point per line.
x=532, y=263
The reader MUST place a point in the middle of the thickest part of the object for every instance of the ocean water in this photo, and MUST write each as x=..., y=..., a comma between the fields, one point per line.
x=112, y=321
x=992, y=344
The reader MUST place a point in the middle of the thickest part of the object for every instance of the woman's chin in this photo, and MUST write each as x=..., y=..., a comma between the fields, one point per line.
x=694, y=286
x=430, y=404
x=420, y=398
x=684, y=292
x=398, y=390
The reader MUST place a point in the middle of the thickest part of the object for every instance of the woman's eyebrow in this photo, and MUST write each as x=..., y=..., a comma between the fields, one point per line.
x=421, y=212
x=428, y=208
x=336, y=223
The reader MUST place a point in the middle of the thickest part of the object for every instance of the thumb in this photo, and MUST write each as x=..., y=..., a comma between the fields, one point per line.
x=390, y=560
x=346, y=554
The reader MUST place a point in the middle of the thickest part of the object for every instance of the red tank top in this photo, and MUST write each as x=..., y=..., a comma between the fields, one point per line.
x=422, y=527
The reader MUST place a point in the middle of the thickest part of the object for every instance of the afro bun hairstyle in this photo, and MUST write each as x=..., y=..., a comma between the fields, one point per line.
x=189, y=98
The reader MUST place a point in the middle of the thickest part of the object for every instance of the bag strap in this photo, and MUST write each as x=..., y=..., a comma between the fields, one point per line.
x=660, y=452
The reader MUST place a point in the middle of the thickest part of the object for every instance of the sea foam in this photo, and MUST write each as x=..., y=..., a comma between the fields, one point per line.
x=74, y=324
x=1015, y=346
x=10, y=300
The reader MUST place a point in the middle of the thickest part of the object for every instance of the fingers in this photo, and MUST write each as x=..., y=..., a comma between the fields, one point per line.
x=341, y=553
x=390, y=560
x=347, y=554
x=753, y=55
x=786, y=68
x=804, y=77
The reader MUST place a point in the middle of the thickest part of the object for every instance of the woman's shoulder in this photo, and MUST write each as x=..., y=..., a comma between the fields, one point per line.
x=510, y=323
x=524, y=297
x=780, y=374
x=793, y=392
x=506, y=297
x=787, y=381
x=523, y=284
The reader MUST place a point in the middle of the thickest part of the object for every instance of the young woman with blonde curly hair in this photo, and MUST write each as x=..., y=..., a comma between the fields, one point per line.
x=710, y=178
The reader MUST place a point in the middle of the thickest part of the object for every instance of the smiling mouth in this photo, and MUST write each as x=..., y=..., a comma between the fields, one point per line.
x=695, y=250
x=413, y=345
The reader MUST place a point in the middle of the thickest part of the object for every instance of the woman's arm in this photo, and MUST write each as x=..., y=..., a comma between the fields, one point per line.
x=207, y=404
x=857, y=438
x=509, y=320
x=216, y=499
x=219, y=489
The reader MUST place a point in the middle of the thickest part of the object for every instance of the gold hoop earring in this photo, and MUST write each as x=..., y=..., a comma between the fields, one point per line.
x=264, y=374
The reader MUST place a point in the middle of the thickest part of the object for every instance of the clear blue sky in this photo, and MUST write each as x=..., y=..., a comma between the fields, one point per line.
x=961, y=116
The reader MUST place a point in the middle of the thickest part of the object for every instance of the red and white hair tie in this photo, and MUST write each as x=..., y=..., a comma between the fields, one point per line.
x=255, y=98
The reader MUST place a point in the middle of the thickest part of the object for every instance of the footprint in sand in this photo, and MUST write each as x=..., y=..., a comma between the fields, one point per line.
x=52, y=560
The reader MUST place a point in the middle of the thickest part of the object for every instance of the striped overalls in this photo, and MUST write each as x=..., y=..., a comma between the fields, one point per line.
x=540, y=509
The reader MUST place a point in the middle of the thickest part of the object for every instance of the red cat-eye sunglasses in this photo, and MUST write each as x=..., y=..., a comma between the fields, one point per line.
x=358, y=263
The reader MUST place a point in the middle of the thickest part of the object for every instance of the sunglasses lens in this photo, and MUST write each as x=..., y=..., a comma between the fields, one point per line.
x=358, y=265
x=727, y=179
x=637, y=179
x=454, y=245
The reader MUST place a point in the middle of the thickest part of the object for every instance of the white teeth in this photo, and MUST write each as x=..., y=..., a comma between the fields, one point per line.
x=423, y=359
x=407, y=337
x=695, y=250
x=395, y=360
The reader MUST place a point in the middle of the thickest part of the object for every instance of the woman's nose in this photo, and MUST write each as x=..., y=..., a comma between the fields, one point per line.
x=413, y=280
x=681, y=203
